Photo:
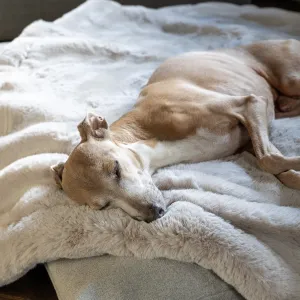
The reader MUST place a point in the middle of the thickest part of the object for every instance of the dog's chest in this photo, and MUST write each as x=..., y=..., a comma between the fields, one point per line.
x=202, y=146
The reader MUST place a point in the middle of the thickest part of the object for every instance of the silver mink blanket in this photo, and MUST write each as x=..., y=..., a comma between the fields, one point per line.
x=227, y=216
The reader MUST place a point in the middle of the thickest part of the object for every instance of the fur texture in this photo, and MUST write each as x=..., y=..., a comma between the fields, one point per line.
x=228, y=216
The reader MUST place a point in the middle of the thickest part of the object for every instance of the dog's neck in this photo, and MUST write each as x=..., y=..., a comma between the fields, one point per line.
x=145, y=154
x=144, y=151
x=129, y=134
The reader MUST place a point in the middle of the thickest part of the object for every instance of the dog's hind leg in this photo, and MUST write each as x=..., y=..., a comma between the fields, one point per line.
x=290, y=178
x=286, y=78
x=252, y=112
x=288, y=103
x=287, y=107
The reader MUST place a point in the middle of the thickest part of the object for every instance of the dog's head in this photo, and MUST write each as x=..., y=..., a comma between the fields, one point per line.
x=103, y=173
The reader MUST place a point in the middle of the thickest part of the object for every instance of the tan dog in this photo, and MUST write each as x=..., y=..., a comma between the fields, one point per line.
x=196, y=107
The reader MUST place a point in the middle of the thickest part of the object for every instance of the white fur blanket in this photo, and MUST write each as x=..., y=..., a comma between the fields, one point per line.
x=226, y=215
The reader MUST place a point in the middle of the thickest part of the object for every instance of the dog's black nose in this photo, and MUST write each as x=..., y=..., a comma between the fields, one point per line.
x=157, y=211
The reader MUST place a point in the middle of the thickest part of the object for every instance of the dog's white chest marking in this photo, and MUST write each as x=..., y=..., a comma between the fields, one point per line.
x=201, y=147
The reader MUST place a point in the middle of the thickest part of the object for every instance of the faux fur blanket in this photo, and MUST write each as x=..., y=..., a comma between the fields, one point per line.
x=227, y=215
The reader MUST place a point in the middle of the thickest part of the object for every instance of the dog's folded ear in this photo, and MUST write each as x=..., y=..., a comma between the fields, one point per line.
x=57, y=171
x=97, y=124
x=92, y=125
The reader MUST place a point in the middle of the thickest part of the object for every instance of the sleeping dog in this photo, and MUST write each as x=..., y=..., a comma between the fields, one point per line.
x=196, y=107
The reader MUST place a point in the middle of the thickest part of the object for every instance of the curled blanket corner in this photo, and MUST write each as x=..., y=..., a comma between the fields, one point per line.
x=226, y=215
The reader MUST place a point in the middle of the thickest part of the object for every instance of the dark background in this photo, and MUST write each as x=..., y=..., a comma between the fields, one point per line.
x=16, y=14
